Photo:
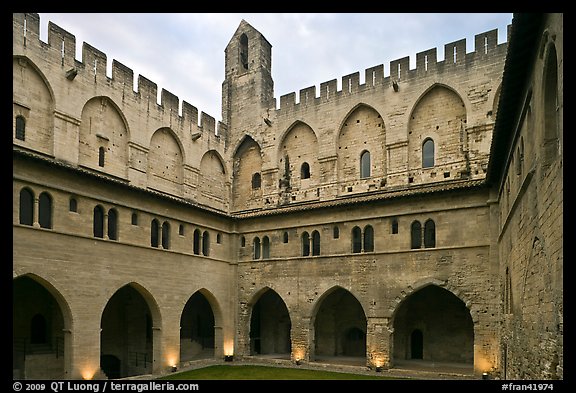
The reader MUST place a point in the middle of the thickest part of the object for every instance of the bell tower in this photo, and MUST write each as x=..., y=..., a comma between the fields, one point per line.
x=248, y=88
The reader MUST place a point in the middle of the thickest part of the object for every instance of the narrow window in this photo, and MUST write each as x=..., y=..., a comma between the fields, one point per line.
x=20, y=128
x=26, y=207
x=206, y=243
x=256, y=180
x=365, y=165
x=73, y=205
x=134, y=218
x=428, y=153
x=285, y=237
x=394, y=226
x=305, y=171
x=244, y=51
x=416, y=235
x=181, y=229
x=551, y=108
x=219, y=238
x=112, y=224
x=356, y=240
x=101, y=154
x=196, y=242
x=368, y=238
x=429, y=234
x=315, y=243
x=154, y=230
x=265, y=247
x=336, y=232
x=242, y=241
x=305, y=244
x=256, y=245
x=166, y=235
x=45, y=211
x=98, y=226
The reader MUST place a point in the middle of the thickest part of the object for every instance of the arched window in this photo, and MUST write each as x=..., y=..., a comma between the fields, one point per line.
x=305, y=171
x=265, y=247
x=368, y=238
x=73, y=205
x=315, y=243
x=196, y=242
x=244, y=51
x=365, y=165
x=154, y=231
x=166, y=235
x=26, y=207
x=256, y=245
x=256, y=181
x=101, y=156
x=134, y=218
x=20, y=128
x=416, y=235
x=428, y=153
x=356, y=239
x=98, y=225
x=242, y=241
x=45, y=210
x=429, y=234
x=112, y=224
x=285, y=237
x=394, y=226
x=206, y=243
x=305, y=244
x=336, y=232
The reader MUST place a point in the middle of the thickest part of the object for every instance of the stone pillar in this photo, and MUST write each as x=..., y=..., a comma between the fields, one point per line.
x=378, y=339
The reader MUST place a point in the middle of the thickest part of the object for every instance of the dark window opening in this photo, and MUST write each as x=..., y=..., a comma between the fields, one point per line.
x=20, y=128
x=26, y=207
x=45, y=211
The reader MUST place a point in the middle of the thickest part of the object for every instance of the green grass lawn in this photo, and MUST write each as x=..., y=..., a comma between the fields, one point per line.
x=250, y=372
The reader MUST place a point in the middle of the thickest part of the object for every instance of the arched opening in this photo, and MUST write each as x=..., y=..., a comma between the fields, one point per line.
x=270, y=327
x=435, y=326
x=197, y=329
x=127, y=334
x=38, y=326
x=340, y=329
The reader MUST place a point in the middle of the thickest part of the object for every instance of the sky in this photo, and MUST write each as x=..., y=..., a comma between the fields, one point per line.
x=183, y=53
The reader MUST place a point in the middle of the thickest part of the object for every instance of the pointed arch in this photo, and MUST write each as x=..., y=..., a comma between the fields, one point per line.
x=338, y=326
x=166, y=158
x=362, y=130
x=439, y=111
x=247, y=165
x=270, y=324
x=31, y=89
x=443, y=319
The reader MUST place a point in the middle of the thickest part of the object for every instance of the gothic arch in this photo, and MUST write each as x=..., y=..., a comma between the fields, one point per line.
x=269, y=325
x=362, y=129
x=338, y=325
x=36, y=299
x=200, y=326
x=131, y=328
x=104, y=137
x=29, y=81
x=246, y=166
x=442, y=320
x=438, y=112
x=298, y=146
x=166, y=158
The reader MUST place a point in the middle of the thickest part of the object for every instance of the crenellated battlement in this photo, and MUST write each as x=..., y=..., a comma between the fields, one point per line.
x=61, y=48
x=427, y=66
